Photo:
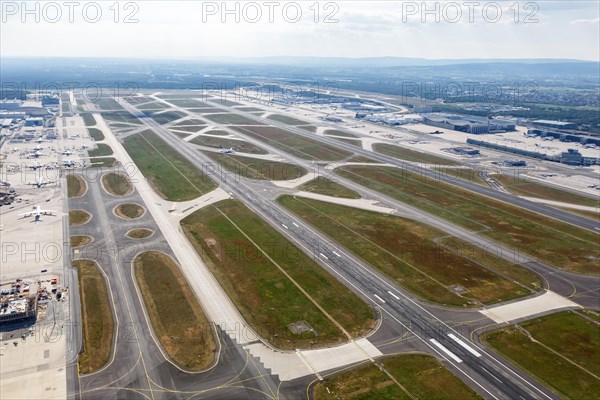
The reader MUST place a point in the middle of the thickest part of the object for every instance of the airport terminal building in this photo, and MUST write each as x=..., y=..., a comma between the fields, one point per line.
x=468, y=123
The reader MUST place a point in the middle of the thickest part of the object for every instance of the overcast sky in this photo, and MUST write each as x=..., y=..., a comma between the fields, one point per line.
x=178, y=29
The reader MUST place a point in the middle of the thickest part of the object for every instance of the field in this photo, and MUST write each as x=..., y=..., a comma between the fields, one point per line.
x=88, y=119
x=76, y=186
x=129, y=210
x=181, y=135
x=232, y=119
x=188, y=128
x=97, y=317
x=77, y=241
x=293, y=144
x=328, y=187
x=556, y=243
x=420, y=375
x=566, y=354
x=153, y=106
x=237, y=145
x=522, y=187
x=255, y=169
x=78, y=217
x=139, y=233
x=403, y=250
x=189, y=122
x=102, y=151
x=96, y=134
x=121, y=117
x=189, y=103
x=286, y=120
x=177, y=318
x=454, y=174
x=170, y=174
x=411, y=155
x=116, y=184
x=335, y=132
x=103, y=162
x=257, y=267
x=166, y=117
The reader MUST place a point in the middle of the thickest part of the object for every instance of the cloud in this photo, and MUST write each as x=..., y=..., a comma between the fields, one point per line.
x=592, y=21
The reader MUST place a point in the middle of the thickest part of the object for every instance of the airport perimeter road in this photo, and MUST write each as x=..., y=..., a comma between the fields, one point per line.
x=479, y=369
x=555, y=213
x=137, y=368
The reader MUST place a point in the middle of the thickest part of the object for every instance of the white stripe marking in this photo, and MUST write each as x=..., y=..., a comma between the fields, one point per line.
x=393, y=295
x=324, y=256
x=284, y=226
x=445, y=350
x=335, y=253
x=296, y=225
x=464, y=345
x=491, y=375
x=379, y=298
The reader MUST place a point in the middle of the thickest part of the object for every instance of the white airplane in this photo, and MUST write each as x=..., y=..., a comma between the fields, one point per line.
x=35, y=154
x=34, y=166
x=4, y=183
x=37, y=147
x=66, y=152
x=37, y=212
x=40, y=182
x=226, y=151
x=39, y=140
x=68, y=163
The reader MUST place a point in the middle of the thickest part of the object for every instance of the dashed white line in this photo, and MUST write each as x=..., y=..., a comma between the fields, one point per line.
x=393, y=295
x=490, y=374
x=379, y=298
x=324, y=256
x=284, y=226
x=335, y=253
x=296, y=225
x=445, y=350
x=464, y=345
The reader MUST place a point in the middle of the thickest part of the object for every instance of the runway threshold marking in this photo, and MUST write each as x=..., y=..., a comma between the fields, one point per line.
x=379, y=298
x=464, y=345
x=445, y=350
x=393, y=295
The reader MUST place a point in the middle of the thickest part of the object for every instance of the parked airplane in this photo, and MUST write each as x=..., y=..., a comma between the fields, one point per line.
x=66, y=152
x=34, y=166
x=69, y=163
x=37, y=212
x=4, y=183
x=226, y=151
x=35, y=154
x=40, y=182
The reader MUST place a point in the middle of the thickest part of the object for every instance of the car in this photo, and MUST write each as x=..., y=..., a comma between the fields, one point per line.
x=44, y=270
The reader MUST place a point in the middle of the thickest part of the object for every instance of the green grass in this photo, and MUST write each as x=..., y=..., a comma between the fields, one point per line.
x=168, y=116
x=103, y=162
x=102, y=151
x=88, y=119
x=189, y=103
x=556, y=243
x=286, y=120
x=267, y=299
x=129, y=210
x=247, y=109
x=96, y=315
x=454, y=174
x=117, y=184
x=403, y=250
x=181, y=135
x=139, y=233
x=216, y=132
x=171, y=175
x=335, y=132
x=82, y=240
x=523, y=187
x=176, y=316
x=121, y=117
x=328, y=187
x=188, y=128
x=572, y=336
x=411, y=155
x=293, y=144
x=96, y=134
x=227, y=103
x=232, y=119
x=78, y=217
x=75, y=186
x=422, y=376
x=254, y=168
x=237, y=145
x=153, y=106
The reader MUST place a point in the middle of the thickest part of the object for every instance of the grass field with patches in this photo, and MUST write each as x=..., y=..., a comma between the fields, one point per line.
x=411, y=155
x=328, y=187
x=80, y=240
x=170, y=174
x=96, y=315
x=177, y=318
x=295, y=145
x=76, y=186
x=101, y=151
x=561, y=340
x=96, y=134
x=78, y=217
x=403, y=250
x=237, y=145
x=335, y=132
x=286, y=120
x=231, y=119
x=522, y=187
x=88, y=119
x=103, y=162
x=422, y=376
x=117, y=184
x=252, y=168
x=229, y=238
x=129, y=210
x=140, y=233
x=556, y=243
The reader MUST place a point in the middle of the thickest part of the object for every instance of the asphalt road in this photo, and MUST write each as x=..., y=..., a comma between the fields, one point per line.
x=485, y=373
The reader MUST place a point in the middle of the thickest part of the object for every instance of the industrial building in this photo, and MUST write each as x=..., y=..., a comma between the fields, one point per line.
x=468, y=123
x=554, y=124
